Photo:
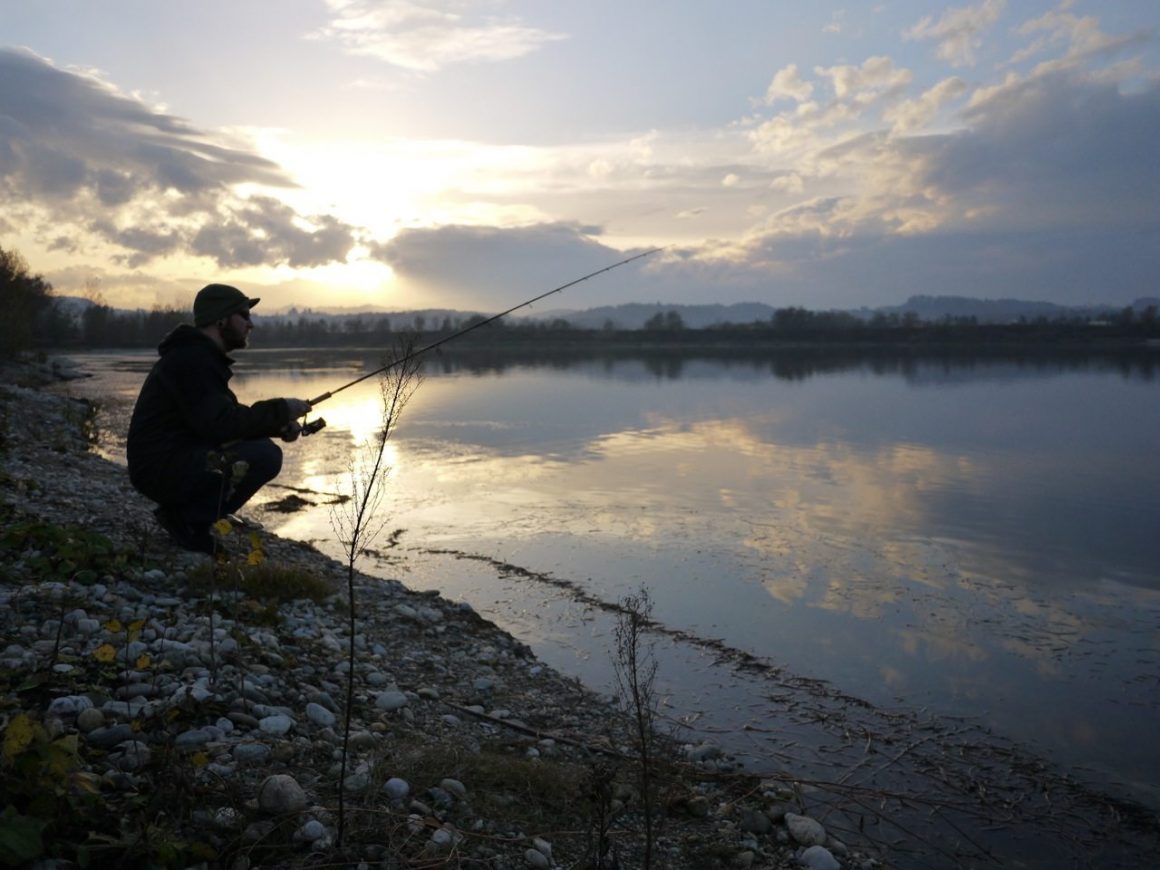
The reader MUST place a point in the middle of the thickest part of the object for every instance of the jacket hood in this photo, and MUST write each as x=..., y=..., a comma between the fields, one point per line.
x=183, y=336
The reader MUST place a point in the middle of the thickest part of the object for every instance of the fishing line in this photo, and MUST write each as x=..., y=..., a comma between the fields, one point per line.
x=315, y=425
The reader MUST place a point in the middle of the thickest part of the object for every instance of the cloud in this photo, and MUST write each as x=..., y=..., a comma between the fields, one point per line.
x=788, y=84
x=916, y=114
x=478, y=266
x=959, y=31
x=428, y=36
x=76, y=153
x=864, y=85
x=1081, y=36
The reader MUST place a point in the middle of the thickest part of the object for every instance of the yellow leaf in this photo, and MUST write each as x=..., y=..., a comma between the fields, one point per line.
x=105, y=653
x=256, y=557
x=113, y=625
x=18, y=736
x=200, y=759
x=143, y=662
x=83, y=782
x=222, y=527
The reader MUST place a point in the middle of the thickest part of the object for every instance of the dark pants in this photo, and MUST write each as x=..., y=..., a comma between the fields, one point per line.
x=209, y=495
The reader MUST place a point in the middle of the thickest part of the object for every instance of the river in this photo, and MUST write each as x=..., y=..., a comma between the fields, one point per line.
x=833, y=544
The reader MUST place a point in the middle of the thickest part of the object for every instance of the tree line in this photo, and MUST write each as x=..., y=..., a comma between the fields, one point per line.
x=35, y=319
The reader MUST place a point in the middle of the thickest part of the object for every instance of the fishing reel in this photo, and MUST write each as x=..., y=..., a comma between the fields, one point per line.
x=313, y=426
x=308, y=428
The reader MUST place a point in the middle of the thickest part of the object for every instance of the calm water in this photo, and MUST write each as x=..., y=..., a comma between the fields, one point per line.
x=974, y=539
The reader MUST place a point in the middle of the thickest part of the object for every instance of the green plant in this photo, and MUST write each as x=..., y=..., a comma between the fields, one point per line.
x=46, y=788
x=56, y=552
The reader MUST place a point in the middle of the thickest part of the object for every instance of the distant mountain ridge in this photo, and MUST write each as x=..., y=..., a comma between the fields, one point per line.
x=634, y=315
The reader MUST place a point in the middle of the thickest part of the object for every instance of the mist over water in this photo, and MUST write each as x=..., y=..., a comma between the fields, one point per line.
x=970, y=537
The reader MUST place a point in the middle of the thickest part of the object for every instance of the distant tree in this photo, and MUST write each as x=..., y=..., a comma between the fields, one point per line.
x=792, y=319
x=667, y=321
x=25, y=299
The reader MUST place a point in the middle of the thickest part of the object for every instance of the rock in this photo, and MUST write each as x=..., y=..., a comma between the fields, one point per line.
x=819, y=858
x=281, y=794
x=69, y=705
x=703, y=752
x=537, y=859
x=804, y=830
x=543, y=847
x=277, y=725
x=455, y=787
x=754, y=822
x=390, y=700
x=396, y=789
x=320, y=716
x=251, y=753
x=131, y=756
x=90, y=719
x=189, y=741
x=110, y=736
x=311, y=831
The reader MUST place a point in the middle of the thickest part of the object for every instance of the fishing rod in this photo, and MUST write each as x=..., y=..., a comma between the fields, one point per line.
x=315, y=425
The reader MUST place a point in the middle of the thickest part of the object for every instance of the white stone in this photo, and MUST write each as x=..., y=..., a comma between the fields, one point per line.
x=320, y=716
x=537, y=859
x=807, y=831
x=281, y=794
x=396, y=789
x=69, y=705
x=276, y=725
x=819, y=858
x=455, y=787
x=543, y=847
x=391, y=699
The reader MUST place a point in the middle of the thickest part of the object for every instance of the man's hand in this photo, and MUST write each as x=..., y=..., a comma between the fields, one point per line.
x=298, y=407
x=292, y=431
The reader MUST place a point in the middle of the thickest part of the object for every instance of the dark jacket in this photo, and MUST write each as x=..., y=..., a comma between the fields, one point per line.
x=186, y=404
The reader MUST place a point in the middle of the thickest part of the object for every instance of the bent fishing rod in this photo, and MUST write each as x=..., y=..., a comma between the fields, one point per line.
x=315, y=425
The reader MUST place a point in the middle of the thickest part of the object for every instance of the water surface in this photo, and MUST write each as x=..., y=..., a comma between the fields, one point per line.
x=971, y=538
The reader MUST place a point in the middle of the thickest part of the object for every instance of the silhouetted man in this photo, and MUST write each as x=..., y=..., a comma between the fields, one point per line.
x=193, y=447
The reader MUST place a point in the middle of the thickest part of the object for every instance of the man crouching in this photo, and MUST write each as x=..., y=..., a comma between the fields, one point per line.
x=193, y=447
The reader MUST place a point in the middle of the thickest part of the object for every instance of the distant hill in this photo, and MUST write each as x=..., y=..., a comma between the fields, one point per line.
x=634, y=315
x=992, y=310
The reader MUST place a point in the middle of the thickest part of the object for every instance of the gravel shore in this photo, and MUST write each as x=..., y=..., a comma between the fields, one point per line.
x=170, y=709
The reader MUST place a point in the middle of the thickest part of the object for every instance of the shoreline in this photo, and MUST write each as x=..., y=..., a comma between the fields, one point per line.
x=445, y=703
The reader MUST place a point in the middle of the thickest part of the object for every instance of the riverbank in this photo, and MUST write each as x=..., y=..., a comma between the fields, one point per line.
x=167, y=708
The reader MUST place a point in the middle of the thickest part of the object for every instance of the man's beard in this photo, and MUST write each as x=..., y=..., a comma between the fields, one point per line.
x=232, y=338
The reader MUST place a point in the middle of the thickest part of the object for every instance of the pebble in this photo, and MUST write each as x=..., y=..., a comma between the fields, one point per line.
x=390, y=700
x=320, y=716
x=396, y=789
x=818, y=858
x=90, y=719
x=251, y=753
x=281, y=794
x=804, y=830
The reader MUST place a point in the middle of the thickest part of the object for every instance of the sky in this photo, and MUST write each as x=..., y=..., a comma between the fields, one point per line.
x=470, y=154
